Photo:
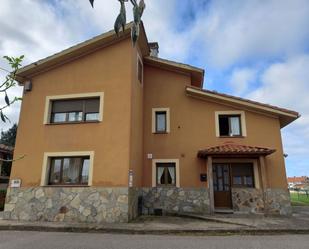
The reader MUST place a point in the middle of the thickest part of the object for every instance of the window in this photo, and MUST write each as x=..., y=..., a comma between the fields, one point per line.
x=75, y=110
x=69, y=170
x=166, y=174
x=242, y=175
x=230, y=125
x=140, y=73
x=160, y=120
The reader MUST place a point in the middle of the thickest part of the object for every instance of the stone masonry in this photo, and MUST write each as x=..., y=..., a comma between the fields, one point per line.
x=175, y=200
x=247, y=200
x=97, y=205
x=71, y=204
x=272, y=201
x=278, y=202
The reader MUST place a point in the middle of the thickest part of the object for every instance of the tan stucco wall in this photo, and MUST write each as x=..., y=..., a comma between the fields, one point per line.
x=124, y=138
x=107, y=70
x=193, y=128
x=136, y=132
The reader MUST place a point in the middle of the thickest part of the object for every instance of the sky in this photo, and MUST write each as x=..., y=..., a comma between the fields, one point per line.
x=254, y=49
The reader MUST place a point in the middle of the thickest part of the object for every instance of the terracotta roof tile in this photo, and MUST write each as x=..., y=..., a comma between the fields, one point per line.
x=230, y=148
x=298, y=179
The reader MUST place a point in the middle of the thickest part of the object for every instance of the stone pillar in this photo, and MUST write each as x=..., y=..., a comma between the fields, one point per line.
x=210, y=185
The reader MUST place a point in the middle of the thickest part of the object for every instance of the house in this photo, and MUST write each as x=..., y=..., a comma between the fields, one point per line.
x=6, y=153
x=297, y=180
x=111, y=131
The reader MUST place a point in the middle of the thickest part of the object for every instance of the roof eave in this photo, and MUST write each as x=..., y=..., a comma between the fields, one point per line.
x=80, y=50
x=196, y=74
x=285, y=117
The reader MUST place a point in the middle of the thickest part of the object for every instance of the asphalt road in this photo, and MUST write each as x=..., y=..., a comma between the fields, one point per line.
x=37, y=240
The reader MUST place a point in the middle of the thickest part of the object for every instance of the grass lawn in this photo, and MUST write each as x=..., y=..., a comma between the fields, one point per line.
x=299, y=199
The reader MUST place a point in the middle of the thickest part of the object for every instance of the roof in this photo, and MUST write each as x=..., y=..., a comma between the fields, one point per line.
x=81, y=49
x=101, y=41
x=197, y=74
x=295, y=179
x=230, y=148
x=286, y=116
x=6, y=149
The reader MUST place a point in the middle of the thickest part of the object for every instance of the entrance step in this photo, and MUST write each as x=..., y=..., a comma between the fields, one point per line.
x=224, y=211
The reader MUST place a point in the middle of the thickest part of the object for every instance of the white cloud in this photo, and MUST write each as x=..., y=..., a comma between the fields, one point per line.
x=241, y=78
x=286, y=84
x=239, y=31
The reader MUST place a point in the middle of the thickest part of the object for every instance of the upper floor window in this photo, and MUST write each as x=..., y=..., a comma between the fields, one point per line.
x=230, y=124
x=69, y=170
x=75, y=110
x=160, y=120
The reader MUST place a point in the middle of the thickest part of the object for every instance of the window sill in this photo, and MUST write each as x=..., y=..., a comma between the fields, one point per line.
x=231, y=136
x=70, y=123
x=164, y=132
x=66, y=186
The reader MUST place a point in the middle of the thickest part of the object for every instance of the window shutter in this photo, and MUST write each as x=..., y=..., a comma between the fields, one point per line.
x=67, y=105
x=92, y=105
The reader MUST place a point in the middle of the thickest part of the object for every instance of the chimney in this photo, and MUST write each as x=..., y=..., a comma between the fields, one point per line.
x=154, y=49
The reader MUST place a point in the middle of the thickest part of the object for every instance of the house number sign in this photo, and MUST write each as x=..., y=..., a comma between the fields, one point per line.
x=15, y=183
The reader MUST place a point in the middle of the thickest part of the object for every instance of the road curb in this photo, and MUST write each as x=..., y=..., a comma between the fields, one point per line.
x=106, y=230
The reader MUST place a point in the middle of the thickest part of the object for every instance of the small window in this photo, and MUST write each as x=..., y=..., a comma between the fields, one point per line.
x=230, y=125
x=161, y=122
x=166, y=174
x=69, y=171
x=242, y=175
x=140, y=70
x=75, y=110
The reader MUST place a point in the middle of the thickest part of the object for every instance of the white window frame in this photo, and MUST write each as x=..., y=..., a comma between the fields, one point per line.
x=168, y=122
x=154, y=170
x=242, y=121
x=49, y=99
x=46, y=164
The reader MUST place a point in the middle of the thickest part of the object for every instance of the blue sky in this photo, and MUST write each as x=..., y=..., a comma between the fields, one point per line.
x=253, y=49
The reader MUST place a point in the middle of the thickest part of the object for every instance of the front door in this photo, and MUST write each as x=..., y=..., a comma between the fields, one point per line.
x=222, y=185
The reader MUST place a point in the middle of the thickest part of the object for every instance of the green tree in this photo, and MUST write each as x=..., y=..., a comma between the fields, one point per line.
x=8, y=137
x=9, y=82
x=121, y=20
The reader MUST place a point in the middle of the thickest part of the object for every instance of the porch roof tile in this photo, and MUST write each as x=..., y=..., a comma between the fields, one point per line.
x=230, y=148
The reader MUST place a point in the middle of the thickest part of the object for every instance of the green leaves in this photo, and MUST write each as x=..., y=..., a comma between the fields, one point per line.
x=3, y=117
x=121, y=19
x=9, y=82
x=7, y=100
x=138, y=10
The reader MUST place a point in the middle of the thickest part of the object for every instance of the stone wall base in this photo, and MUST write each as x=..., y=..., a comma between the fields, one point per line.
x=254, y=201
x=70, y=204
x=97, y=204
x=175, y=200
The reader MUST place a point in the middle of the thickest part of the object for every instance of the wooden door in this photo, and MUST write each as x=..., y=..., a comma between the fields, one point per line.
x=222, y=186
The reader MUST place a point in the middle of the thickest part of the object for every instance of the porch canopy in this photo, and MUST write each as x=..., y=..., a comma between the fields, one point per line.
x=231, y=149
